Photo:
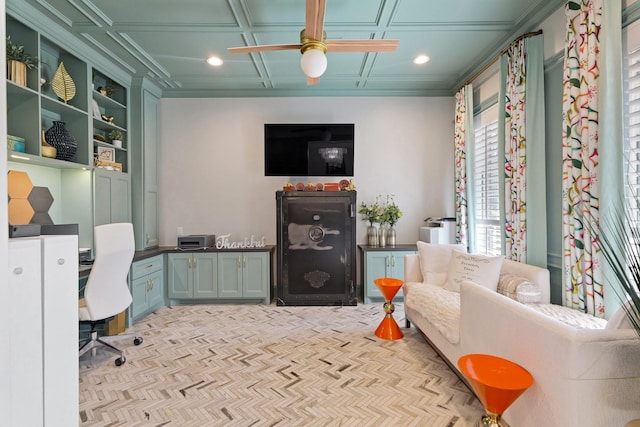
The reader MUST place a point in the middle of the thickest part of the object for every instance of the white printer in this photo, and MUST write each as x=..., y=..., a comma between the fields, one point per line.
x=440, y=230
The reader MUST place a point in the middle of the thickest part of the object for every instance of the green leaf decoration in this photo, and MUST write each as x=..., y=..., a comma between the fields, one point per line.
x=572, y=5
x=63, y=84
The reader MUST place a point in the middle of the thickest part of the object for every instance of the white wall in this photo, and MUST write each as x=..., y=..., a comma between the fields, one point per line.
x=212, y=174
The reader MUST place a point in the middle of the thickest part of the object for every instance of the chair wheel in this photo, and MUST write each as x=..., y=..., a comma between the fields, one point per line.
x=137, y=340
x=120, y=361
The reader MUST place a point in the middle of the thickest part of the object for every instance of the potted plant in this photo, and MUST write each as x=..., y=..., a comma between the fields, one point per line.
x=391, y=214
x=18, y=61
x=371, y=213
x=116, y=138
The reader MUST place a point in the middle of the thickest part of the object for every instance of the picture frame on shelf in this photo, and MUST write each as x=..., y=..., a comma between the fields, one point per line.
x=106, y=154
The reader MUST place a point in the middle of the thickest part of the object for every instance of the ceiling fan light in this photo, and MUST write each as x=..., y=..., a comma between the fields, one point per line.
x=421, y=59
x=313, y=63
x=214, y=61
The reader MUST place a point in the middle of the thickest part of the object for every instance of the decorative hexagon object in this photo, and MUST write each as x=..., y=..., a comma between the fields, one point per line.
x=40, y=199
x=20, y=212
x=41, y=218
x=28, y=204
x=19, y=184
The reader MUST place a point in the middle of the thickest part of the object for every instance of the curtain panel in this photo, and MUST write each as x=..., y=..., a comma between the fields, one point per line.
x=463, y=140
x=580, y=149
x=522, y=143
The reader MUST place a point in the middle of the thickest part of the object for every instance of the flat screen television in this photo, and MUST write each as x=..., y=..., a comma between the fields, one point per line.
x=308, y=149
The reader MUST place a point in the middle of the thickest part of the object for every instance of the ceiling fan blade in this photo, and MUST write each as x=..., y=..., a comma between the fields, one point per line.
x=314, y=22
x=361, y=45
x=264, y=48
x=313, y=80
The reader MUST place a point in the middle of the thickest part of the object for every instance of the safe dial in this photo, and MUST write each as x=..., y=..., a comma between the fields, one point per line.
x=316, y=234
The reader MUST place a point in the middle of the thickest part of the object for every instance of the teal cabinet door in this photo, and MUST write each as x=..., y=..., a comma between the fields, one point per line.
x=243, y=275
x=179, y=276
x=139, y=293
x=382, y=264
x=230, y=274
x=255, y=275
x=147, y=286
x=205, y=273
x=112, y=197
x=377, y=265
x=155, y=294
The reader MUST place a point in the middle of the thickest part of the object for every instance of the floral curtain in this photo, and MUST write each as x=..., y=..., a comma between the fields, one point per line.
x=522, y=100
x=463, y=138
x=591, y=145
x=515, y=184
x=580, y=151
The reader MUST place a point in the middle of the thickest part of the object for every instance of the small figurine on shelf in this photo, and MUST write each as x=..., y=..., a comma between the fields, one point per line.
x=108, y=119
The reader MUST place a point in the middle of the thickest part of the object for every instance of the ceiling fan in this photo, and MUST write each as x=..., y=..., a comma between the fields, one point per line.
x=314, y=45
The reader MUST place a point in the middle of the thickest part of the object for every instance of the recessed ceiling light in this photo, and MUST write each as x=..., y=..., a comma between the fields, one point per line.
x=214, y=60
x=421, y=59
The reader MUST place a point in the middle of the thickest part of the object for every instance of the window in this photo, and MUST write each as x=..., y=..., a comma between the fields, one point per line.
x=631, y=64
x=486, y=183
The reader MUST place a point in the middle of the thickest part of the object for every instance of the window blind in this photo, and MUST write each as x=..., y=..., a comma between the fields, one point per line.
x=486, y=189
x=632, y=129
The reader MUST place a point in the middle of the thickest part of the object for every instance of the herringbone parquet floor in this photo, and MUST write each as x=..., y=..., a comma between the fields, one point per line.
x=262, y=365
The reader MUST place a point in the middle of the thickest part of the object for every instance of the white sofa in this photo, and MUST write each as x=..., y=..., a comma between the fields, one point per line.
x=582, y=377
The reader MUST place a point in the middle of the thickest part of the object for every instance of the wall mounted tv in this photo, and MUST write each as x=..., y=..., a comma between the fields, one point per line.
x=309, y=149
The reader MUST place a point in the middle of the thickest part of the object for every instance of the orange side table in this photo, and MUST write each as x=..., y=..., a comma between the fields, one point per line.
x=388, y=328
x=497, y=382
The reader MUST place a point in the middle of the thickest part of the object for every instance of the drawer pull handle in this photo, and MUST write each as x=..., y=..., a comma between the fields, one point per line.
x=60, y=261
x=17, y=270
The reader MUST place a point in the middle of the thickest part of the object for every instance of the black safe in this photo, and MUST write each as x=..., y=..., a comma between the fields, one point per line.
x=316, y=255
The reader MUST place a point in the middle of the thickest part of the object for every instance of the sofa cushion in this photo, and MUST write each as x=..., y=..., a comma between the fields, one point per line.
x=620, y=320
x=569, y=316
x=437, y=305
x=481, y=269
x=434, y=261
x=518, y=288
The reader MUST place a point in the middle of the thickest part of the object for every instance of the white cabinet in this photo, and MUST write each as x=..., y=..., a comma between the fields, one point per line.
x=25, y=314
x=43, y=278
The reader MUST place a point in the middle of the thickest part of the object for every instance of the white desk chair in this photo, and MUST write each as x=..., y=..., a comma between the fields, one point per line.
x=107, y=292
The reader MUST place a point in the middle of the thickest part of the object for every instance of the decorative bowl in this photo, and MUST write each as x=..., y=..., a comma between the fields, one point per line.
x=48, y=151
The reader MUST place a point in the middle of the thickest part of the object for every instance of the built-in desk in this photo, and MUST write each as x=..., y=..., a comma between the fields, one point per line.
x=205, y=275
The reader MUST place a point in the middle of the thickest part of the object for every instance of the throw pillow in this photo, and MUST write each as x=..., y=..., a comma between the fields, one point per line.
x=620, y=320
x=481, y=269
x=434, y=261
x=518, y=288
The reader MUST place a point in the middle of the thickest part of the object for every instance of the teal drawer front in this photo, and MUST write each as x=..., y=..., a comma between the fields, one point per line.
x=146, y=266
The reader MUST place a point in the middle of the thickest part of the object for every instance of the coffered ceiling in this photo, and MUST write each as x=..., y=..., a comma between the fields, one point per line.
x=168, y=41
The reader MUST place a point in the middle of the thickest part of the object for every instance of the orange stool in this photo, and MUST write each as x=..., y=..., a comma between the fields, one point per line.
x=388, y=328
x=497, y=382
